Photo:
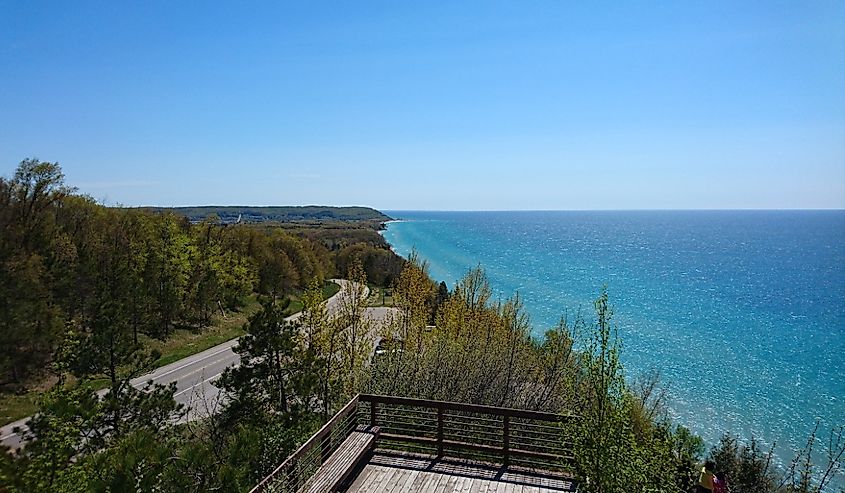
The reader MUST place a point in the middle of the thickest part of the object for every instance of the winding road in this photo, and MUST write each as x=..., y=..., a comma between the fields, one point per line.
x=195, y=375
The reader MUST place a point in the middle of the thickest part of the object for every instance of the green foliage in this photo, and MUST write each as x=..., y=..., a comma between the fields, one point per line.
x=616, y=447
x=280, y=214
x=74, y=426
x=117, y=274
x=31, y=252
x=381, y=266
x=748, y=467
x=480, y=352
x=277, y=374
x=354, y=329
x=66, y=414
x=136, y=462
x=688, y=449
x=29, y=322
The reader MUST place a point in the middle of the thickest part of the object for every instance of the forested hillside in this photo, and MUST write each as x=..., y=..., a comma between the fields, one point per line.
x=112, y=275
x=285, y=214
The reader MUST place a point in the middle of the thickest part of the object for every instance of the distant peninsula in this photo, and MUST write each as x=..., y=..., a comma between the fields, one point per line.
x=281, y=214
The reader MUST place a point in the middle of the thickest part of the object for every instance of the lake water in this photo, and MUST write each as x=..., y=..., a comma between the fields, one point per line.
x=742, y=312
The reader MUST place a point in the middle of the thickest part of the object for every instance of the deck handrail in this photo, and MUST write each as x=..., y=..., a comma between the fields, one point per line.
x=320, y=438
x=446, y=428
x=460, y=406
x=510, y=436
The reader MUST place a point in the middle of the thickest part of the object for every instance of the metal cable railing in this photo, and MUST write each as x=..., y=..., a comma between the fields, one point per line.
x=510, y=437
x=493, y=434
x=297, y=469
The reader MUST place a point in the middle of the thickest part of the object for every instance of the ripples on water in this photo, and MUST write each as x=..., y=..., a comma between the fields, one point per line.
x=742, y=312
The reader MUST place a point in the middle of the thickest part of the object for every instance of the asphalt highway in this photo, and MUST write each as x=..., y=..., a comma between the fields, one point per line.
x=195, y=375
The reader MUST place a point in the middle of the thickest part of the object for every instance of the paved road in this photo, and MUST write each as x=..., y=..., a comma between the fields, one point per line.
x=195, y=375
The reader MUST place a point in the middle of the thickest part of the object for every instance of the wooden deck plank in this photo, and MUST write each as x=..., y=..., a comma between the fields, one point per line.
x=363, y=478
x=393, y=476
x=458, y=486
x=420, y=482
x=370, y=475
x=401, y=483
x=466, y=485
x=379, y=480
x=407, y=483
x=494, y=487
x=476, y=487
x=431, y=482
x=393, y=472
x=442, y=482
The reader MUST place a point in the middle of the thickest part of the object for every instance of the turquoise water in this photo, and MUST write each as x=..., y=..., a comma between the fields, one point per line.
x=742, y=312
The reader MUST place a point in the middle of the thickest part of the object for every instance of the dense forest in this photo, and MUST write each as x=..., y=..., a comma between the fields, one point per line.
x=107, y=274
x=82, y=281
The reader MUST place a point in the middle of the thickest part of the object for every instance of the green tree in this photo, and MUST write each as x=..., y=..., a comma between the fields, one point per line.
x=555, y=362
x=31, y=252
x=748, y=467
x=609, y=456
x=167, y=269
x=314, y=317
x=29, y=322
x=277, y=375
x=324, y=337
x=66, y=418
x=689, y=450
x=354, y=328
x=74, y=423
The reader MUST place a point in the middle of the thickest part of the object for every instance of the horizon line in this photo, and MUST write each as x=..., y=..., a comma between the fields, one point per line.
x=387, y=209
x=749, y=209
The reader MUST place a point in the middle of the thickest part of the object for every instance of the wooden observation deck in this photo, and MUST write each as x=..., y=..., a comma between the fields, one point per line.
x=394, y=444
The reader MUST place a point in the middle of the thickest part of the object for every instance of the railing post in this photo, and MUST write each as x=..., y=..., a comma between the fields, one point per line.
x=439, y=431
x=372, y=413
x=506, y=439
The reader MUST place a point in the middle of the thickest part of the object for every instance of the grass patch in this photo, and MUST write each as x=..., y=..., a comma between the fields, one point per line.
x=294, y=307
x=181, y=344
x=330, y=289
x=186, y=342
x=16, y=406
x=380, y=296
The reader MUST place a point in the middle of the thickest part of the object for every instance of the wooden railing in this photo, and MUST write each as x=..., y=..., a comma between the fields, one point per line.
x=293, y=473
x=510, y=437
x=449, y=429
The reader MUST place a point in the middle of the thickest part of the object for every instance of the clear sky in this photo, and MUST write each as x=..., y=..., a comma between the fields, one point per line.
x=412, y=105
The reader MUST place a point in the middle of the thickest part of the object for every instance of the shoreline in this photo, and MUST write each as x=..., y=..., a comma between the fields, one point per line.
x=788, y=432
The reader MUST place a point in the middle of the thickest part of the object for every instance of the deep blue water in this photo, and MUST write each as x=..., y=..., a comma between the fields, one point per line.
x=742, y=312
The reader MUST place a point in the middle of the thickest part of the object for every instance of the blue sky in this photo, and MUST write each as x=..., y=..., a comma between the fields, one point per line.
x=413, y=105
